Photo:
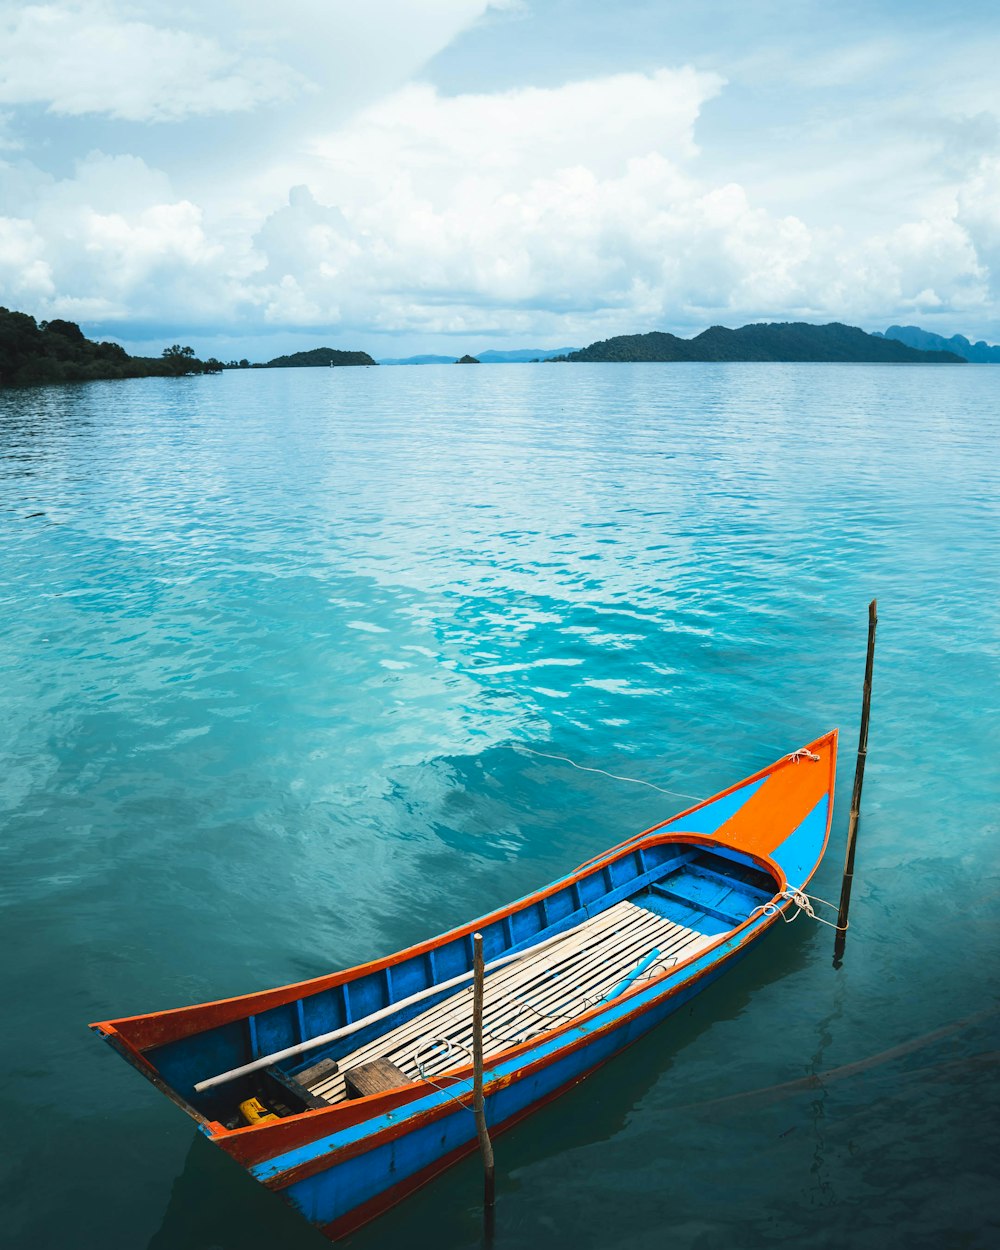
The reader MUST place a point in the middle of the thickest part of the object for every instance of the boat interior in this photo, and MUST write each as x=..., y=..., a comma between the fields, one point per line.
x=651, y=908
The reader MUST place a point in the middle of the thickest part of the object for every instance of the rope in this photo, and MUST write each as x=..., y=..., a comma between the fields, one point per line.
x=614, y=776
x=803, y=903
x=447, y=1046
x=583, y=999
x=803, y=753
x=658, y=966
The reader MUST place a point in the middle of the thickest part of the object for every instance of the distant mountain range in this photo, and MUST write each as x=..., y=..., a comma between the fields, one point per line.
x=57, y=351
x=520, y=355
x=779, y=341
x=421, y=360
x=979, y=353
x=775, y=341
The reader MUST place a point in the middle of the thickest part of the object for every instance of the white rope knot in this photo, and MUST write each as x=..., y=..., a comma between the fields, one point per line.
x=804, y=903
x=803, y=753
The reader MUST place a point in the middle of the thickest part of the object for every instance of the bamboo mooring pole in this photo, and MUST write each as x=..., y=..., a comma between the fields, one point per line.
x=478, y=1101
x=859, y=778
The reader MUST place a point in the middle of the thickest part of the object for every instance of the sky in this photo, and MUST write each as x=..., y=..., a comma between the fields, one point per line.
x=446, y=176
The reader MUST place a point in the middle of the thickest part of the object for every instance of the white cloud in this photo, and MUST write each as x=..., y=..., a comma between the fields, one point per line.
x=978, y=213
x=114, y=240
x=581, y=202
x=83, y=59
x=24, y=272
x=490, y=200
x=558, y=214
x=152, y=61
x=598, y=123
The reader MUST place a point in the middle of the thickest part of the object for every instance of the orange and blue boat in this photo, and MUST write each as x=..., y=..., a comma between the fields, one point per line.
x=345, y=1093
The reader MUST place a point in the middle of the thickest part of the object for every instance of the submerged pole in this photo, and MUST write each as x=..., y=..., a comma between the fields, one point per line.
x=859, y=778
x=478, y=1101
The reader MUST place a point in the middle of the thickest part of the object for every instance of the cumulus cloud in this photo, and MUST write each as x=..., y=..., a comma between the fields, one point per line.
x=112, y=240
x=442, y=209
x=24, y=271
x=597, y=123
x=553, y=214
x=579, y=207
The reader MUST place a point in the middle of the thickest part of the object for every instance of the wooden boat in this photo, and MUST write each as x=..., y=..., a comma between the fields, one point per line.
x=345, y=1093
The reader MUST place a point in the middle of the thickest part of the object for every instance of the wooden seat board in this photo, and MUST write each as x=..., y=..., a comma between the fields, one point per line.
x=591, y=980
x=553, y=996
x=591, y=962
x=625, y=918
x=550, y=1004
x=644, y=928
x=595, y=971
x=526, y=969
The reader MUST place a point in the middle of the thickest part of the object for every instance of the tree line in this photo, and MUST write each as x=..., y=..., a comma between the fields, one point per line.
x=39, y=352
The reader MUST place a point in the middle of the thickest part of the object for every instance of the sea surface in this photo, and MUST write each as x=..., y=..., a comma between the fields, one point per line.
x=271, y=645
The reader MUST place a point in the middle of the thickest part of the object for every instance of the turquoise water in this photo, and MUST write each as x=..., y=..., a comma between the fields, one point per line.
x=265, y=659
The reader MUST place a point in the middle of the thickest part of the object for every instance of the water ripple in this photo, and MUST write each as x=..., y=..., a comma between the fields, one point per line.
x=267, y=642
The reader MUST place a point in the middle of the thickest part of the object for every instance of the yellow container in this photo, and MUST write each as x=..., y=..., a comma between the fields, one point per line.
x=254, y=1112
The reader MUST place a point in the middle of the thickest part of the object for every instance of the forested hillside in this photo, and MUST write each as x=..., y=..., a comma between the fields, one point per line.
x=33, y=352
x=776, y=341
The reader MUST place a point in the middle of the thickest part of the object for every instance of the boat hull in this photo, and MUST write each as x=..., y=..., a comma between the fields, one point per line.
x=340, y=1161
x=347, y=1193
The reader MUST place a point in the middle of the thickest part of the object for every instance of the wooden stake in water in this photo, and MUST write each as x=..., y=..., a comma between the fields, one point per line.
x=478, y=1101
x=859, y=777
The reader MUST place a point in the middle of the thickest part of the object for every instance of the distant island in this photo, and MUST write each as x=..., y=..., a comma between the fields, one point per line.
x=319, y=356
x=515, y=356
x=978, y=353
x=467, y=360
x=775, y=341
x=37, y=352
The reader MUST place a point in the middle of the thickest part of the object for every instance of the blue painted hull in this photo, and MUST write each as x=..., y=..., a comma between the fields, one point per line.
x=387, y=1172
x=726, y=870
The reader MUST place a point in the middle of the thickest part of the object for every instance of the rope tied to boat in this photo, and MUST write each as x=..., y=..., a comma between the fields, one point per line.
x=443, y=1046
x=804, y=904
x=583, y=999
x=803, y=753
x=663, y=964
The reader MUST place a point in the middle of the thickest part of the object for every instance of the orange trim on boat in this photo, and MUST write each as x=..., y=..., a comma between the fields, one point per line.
x=783, y=802
x=147, y=1031
x=825, y=747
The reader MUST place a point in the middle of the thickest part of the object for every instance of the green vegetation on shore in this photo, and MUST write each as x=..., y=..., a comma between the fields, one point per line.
x=318, y=356
x=776, y=341
x=37, y=352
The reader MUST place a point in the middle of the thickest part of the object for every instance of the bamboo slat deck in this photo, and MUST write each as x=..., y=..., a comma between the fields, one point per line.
x=526, y=997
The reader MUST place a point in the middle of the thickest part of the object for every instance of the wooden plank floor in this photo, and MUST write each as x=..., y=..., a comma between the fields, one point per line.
x=527, y=997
